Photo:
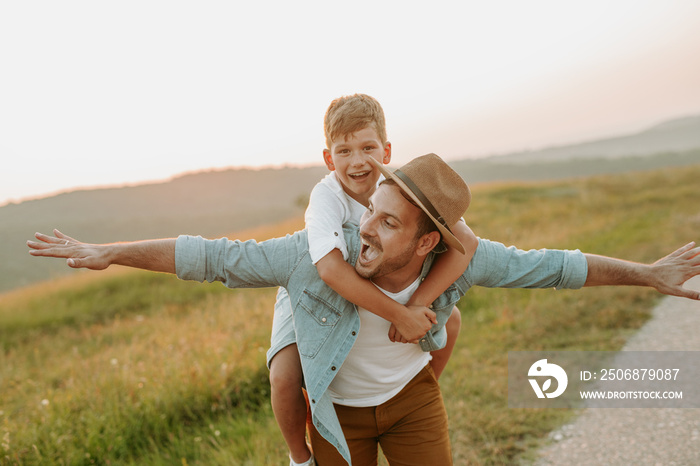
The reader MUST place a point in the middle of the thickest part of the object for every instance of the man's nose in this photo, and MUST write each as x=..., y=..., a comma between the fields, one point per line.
x=367, y=227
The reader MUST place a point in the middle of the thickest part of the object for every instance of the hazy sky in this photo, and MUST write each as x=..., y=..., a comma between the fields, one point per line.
x=96, y=92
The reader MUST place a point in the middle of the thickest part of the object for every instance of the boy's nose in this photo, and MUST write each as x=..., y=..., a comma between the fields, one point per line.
x=358, y=159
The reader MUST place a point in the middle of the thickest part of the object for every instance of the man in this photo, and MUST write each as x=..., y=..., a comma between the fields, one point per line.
x=406, y=221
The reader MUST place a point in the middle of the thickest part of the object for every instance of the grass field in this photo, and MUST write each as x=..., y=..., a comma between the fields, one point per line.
x=124, y=367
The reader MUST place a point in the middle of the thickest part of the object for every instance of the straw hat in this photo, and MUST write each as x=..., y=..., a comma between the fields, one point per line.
x=436, y=188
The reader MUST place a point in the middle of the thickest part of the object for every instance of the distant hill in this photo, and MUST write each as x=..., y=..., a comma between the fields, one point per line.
x=495, y=169
x=207, y=203
x=679, y=135
x=217, y=202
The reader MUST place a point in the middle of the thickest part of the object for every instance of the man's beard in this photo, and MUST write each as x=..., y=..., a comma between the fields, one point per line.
x=391, y=265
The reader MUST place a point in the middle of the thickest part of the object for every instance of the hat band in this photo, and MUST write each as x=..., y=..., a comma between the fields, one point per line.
x=421, y=197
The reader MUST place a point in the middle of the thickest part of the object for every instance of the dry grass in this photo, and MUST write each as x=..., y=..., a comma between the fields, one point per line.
x=126, y=367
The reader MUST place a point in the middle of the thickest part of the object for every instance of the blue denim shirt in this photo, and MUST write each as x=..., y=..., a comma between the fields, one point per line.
x=326, y=325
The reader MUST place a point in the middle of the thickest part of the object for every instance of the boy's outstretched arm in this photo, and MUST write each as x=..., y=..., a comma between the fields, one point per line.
x=154, y=255
x=415, y=321
x=448, y=267
x=667, y=274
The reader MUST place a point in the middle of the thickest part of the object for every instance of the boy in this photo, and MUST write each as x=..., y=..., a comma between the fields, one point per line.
x=355, y=130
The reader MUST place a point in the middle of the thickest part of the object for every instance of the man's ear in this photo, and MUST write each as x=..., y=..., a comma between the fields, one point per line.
x=328, y=159
x=387, y=153
x=427, y=242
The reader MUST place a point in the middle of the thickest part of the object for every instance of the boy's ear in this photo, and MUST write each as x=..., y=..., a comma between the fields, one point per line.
x=328, y=159
x=387, y=153
x=427, y=242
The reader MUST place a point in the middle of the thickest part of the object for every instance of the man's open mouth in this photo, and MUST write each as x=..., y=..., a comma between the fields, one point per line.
x=369, y=252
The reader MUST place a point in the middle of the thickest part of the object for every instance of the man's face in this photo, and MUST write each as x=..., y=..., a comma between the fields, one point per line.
x=348, y=158
x=388, y=232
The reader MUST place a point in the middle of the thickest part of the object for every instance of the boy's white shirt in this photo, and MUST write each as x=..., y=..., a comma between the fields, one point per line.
x=329, y=209
x=363, y=379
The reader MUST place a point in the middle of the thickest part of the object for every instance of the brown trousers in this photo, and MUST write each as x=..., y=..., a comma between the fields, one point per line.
x=411, y=429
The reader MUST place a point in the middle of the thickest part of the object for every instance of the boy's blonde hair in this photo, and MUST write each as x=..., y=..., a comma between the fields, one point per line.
x=349, y=114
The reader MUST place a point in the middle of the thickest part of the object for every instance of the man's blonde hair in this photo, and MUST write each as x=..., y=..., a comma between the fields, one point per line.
x=348, y=114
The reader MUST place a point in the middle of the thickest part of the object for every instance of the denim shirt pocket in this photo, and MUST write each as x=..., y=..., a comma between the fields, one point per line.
x=315, y=319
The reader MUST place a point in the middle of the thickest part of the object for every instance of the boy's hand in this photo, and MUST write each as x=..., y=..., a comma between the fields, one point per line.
x=417, y=322
x=396, y=337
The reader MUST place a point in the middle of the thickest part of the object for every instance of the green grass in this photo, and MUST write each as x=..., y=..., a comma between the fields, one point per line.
x=117, y=387
x=137, y=368
x=639, y=217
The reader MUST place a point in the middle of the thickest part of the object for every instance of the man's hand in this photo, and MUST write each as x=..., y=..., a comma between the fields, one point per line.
x=667, y=275
x=410, y=329
x=156, y=255
x=78, y=255
x=671, y=272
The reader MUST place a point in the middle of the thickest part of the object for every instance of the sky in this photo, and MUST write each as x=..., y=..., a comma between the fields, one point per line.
x=99, y=93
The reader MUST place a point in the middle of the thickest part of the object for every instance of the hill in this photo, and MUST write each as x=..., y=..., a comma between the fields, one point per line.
x=678, y=135
x=208, y=203
x=496, y=169
x=213, y=203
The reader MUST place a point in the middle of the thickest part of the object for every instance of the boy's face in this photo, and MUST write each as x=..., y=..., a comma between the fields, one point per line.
x=348, y=158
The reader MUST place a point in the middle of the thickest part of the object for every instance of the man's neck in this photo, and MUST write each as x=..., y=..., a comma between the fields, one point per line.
x=399, y=280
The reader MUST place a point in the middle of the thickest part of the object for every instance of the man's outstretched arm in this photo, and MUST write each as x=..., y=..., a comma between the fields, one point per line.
x=667, y=275
x=155, y=255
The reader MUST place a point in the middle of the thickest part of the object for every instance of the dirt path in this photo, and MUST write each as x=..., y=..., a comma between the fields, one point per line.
x=638, y=436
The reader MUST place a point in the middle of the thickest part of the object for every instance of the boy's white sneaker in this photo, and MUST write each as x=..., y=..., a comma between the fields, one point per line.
x=309, y=462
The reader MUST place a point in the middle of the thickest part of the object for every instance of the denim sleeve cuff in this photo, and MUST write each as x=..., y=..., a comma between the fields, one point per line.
x=434, y=341
x=190, y=258
x=575, y=270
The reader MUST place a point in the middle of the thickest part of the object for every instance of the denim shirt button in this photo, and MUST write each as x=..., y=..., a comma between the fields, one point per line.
x=323, y=319
x=332, y=368
x=335, y=233
x=354, y=333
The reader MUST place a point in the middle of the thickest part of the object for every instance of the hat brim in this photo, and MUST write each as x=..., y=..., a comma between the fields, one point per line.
x=447, y=236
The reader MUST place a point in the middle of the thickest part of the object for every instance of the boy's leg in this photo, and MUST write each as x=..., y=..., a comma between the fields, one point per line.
x=440, y=357
x=286, y=380
x=288, y=402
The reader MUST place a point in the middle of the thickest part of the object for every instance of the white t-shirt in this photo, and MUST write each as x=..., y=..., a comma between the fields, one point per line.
x=329, y=209
x=376, y=369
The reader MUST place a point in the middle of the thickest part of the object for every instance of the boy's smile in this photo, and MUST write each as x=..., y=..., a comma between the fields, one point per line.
x=348, y=158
